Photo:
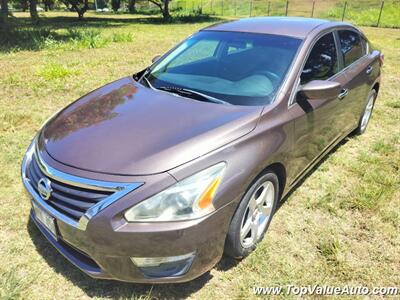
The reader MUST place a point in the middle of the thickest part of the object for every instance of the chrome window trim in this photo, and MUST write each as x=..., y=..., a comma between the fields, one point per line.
x=293, y=93
x=291, y=101
x=120, y=189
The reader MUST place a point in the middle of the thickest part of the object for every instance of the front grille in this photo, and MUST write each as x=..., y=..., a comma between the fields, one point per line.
x=70, y=200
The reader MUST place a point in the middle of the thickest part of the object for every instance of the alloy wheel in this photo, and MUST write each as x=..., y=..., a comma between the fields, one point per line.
x=367, y=113
x=257, y=214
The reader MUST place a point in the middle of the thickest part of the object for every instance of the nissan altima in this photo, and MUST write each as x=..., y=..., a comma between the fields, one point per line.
x=153, y=177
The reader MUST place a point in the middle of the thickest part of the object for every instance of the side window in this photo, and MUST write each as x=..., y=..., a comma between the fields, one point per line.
x=322, y=62
x=350, y=46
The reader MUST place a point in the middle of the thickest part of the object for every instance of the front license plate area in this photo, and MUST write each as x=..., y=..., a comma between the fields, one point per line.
x=45, y=219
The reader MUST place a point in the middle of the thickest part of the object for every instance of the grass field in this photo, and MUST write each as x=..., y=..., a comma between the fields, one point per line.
x=339, y=227
x=362, y=12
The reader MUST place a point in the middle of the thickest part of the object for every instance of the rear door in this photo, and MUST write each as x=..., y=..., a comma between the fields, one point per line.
x=359, y=68
x=318, y=123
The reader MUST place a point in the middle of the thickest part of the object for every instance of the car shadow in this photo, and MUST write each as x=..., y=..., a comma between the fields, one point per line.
x=117, y=290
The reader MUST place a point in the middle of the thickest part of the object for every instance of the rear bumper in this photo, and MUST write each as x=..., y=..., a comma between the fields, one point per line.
x=109, y=257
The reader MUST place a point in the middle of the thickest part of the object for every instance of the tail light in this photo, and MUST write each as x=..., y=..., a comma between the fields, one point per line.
x=381, y=59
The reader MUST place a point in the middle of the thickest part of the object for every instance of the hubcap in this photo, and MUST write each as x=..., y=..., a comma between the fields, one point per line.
x=367, y=113
x=257, y=214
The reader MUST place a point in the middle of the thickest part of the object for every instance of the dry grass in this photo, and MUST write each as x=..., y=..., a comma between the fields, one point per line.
x=340, y=227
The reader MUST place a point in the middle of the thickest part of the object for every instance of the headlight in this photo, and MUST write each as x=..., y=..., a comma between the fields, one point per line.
x=188, y=199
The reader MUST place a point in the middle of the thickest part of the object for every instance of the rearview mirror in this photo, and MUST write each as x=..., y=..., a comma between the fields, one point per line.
x=155, y=58
x=320, y=89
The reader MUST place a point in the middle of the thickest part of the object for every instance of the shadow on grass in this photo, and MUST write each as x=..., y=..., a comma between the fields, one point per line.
x=104, y=21
x=12, y=39
x=21, y=35
x=109, y=288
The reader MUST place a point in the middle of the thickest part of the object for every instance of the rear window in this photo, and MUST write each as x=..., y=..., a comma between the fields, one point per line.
x=351, y=46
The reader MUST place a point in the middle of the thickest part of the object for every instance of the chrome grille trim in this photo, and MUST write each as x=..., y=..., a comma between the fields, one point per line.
x=119, y=189
x=75, y=180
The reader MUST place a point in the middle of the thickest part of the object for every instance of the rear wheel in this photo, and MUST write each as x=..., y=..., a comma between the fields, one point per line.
x=253, y=216
x=367, y=112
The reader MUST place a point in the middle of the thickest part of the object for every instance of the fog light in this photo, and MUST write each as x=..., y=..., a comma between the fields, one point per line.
x=169, y=266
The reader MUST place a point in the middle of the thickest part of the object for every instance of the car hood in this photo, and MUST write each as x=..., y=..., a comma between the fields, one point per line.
x=125, y=128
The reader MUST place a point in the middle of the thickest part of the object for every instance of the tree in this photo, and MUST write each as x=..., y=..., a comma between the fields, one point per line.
x=3, y=11
x=132, y=6
x=80, y=6
x=19, y=4
x=24, y=5
x=163, y=5
x=115, y=4
x=48, y=4
x=33, y=11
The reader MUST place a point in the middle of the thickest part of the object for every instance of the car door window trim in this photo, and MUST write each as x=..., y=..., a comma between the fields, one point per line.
x=294, y=91
x=335, y=32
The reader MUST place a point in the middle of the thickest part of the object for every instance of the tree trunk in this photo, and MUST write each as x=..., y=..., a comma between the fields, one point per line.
x=24, y=5
x=163, y=5
x=132, y=6
x=47, y=5
x=165, y=11
x=3, y=11
x=33, y=11
x=81, y=11
x=115, y=4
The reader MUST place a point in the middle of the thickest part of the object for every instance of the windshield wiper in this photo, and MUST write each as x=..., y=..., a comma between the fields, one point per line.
x=192, y=94
x=148, y=82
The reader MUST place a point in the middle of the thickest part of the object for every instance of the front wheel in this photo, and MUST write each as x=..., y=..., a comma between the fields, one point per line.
x=366, y=115
x=253, y=216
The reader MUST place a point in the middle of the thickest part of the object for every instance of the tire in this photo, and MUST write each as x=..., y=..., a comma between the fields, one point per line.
x=366, y=114
x=239, y=244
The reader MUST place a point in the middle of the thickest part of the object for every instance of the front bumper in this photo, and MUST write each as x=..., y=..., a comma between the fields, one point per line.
x=105, y=245
x=109, y=257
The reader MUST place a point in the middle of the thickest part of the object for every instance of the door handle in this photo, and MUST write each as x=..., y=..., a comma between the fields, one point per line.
x=369, y=70
x=343, y=93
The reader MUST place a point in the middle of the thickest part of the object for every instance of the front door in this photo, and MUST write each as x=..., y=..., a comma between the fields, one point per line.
x=318, y=123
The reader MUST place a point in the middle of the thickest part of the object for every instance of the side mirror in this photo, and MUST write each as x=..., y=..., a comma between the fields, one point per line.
x=155, y=58
x=320, y=89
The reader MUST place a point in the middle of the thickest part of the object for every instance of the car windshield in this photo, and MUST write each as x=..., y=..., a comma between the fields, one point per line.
x=226, y=67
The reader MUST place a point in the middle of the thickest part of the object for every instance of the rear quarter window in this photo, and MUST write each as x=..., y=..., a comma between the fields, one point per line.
x=351, y=46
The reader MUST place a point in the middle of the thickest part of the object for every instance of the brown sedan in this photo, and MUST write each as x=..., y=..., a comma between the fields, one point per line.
x=153, y=177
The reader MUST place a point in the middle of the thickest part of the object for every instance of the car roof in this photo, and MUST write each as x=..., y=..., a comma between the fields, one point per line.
x=290, y=26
